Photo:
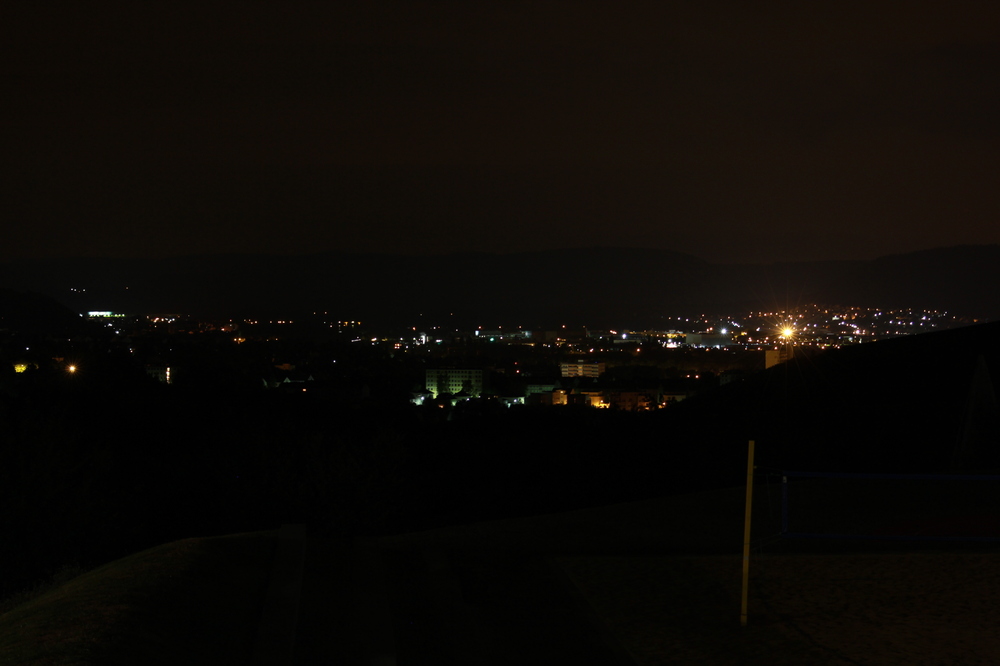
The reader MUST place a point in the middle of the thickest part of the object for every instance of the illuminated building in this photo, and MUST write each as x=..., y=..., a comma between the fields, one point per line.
x=588, y=399
x=159, y=372
x=708, y=339
x=777, y=356
x=454, y=381
x=633, y=401
x=580, y=369
x=104, y=314
x=533, y=391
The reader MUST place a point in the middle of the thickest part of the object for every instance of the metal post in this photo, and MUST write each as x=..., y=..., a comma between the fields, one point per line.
x=746, y=536
x=784, y=504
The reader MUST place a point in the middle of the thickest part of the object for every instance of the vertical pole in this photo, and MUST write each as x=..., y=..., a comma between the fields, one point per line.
x=746, y=537
x=784, y=504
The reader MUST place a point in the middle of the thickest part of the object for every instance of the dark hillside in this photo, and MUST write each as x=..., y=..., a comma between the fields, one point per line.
x=924, y=403
x=27, y=312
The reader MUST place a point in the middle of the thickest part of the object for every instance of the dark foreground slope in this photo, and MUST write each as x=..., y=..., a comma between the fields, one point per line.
x=107, y=461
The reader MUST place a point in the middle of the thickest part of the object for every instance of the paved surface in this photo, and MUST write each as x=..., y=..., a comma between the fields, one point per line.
x=487, y=594
x=368, y=602
x=413, y=602
x=274, y=643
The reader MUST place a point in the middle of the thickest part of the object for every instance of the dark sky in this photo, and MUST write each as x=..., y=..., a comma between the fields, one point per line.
x=730, y=130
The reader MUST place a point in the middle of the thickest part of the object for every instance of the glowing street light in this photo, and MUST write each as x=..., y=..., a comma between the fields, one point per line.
x=71, y=369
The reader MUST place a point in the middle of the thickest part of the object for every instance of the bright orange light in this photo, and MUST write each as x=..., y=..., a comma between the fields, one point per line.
x=72, y=368
x=787, y=332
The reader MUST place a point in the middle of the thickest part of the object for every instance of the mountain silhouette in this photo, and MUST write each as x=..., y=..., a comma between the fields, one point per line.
x=591, y=286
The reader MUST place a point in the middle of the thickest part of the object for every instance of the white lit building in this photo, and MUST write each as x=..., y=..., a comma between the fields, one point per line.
x=453, y=380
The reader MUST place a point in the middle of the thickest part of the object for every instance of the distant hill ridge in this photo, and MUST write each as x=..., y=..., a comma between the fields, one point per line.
x=591, y=286
x=36, y=313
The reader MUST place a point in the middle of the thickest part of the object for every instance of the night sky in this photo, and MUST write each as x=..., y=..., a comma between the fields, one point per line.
x=733, y=131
